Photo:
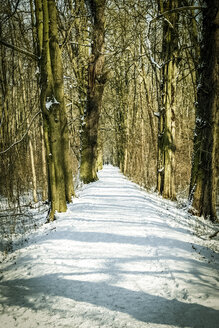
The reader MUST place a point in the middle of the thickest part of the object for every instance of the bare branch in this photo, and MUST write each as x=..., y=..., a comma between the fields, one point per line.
x=174, y=11
x=12, y=13
x=22, y=138
x=80, y=44
x=23, y=51
x=214, y=234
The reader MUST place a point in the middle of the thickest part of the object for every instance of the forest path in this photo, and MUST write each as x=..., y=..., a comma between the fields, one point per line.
x=119, y=257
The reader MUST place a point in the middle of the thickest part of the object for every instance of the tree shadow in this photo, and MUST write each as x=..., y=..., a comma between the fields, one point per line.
x=142, y=306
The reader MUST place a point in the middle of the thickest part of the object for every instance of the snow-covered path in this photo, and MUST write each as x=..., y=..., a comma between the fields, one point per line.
x=118, y=258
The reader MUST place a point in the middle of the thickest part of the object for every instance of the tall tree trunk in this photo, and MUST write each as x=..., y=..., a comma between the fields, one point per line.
x=96, y=80
x=166, y=125
x=53, y=108
x=44, y=164
x=81, y=60
x=32, y=160
x=99, y=162
x=205, y=165
x=34, y=179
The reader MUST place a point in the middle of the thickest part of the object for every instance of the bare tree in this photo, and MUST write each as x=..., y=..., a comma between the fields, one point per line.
x=96, y=82
x=205, y=166
x=53, y=107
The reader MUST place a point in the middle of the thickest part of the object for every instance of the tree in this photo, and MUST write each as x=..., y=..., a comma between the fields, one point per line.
x=150, y=50
x=96, y=82
x=53, y=107
x=167, y=123
x=205, y=165
x=18, y=109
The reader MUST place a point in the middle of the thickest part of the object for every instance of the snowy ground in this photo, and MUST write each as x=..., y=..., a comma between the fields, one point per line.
x=119, y=257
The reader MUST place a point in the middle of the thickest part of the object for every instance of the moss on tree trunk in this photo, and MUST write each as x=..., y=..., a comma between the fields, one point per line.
x=53, y=108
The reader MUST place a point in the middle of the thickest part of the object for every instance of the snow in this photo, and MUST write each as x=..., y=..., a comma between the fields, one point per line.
x=153, y=61
x=157, y=114
x=119, y=257
x=51, y=101
x=37, y=71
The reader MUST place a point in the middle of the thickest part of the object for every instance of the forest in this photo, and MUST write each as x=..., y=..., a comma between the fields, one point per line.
x=109, y=163
x=131, y=83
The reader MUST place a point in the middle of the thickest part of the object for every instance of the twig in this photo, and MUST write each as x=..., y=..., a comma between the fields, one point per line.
x=17, y=142
x=22, y=51
x=174, y=11
x=214, y=234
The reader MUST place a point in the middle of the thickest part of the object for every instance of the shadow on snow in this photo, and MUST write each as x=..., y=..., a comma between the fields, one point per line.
x=142, y=306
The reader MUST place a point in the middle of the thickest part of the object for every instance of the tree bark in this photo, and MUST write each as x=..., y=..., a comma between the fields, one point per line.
x=53, y=108
x=96, y=81
x=166, y=125
x=205, y=165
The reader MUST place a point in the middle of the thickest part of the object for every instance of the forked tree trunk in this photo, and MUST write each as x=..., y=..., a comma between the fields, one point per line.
x=96, y=81
x=205, y=165
x=53, y=108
